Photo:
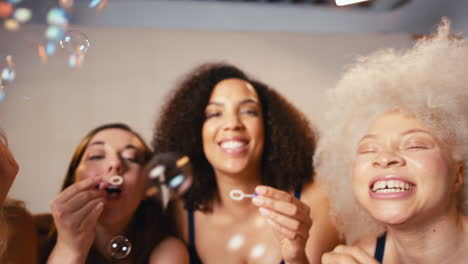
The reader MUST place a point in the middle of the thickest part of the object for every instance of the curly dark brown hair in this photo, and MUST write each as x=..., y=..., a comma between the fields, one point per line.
x=289, y=139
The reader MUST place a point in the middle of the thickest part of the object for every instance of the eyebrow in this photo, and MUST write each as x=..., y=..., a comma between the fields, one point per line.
x=245, y=101
x=411, y=131
x=102, y=143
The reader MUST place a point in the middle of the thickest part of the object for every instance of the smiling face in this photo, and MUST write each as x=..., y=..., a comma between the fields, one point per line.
x=112, y=152
x=233, y=133
x=402, y=172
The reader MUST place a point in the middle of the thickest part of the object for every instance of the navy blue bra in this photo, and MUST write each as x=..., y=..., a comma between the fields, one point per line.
x=380, y=248
x=194, y=257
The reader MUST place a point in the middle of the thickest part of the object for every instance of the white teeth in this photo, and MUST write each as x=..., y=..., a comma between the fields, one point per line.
x=232, y=144
x=391, y=186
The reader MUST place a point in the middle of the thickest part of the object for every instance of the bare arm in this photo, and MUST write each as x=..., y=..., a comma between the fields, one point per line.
x=323, y=236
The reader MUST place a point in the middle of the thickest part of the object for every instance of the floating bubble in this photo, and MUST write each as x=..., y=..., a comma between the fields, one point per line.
x=41, y=51
x=98, y=4
x=75, y=60
x=8, y=74
x=22, y=14
x=66, y=3
x=169, y=176
x=15, y=2
x=57, y=16
x=9, y=61
x=119, y=247
x=11, y=25
x=54, y=33
x=75, y=41
x=5, y=9
x=50, y=47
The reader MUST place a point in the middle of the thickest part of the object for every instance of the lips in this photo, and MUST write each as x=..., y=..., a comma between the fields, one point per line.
x=234, y=145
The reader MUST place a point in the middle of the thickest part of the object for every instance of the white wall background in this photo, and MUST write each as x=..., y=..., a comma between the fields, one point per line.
x=125, y=77
x=140, y=48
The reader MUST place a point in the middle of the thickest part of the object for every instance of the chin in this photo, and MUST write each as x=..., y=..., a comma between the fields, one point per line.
x=393, y=216
x=233, y=168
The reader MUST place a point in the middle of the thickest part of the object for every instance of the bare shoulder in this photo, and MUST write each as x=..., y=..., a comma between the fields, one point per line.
x=171, y=251
x=181, y=219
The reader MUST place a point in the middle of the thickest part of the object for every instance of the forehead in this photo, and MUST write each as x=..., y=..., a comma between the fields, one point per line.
x=116, y=138
x=233, y=89
x=395, y=122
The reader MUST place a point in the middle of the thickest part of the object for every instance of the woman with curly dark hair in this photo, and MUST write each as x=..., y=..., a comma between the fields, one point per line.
x=244, y=137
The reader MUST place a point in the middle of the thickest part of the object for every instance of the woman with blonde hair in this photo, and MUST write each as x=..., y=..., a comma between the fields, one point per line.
x=403, y=118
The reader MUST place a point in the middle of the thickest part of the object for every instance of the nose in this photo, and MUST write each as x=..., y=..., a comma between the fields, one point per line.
x=232, y=122
x=386, y=159
x=115, y=166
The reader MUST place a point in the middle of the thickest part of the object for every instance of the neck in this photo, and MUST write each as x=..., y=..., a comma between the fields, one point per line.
x=245, y=182
x=431, y=240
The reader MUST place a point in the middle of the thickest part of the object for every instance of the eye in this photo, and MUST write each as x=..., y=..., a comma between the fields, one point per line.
x=212, y=115
x=132, y=159
x=367, y=149
x=96, y=157
x=416, y=146
x=252, y=112
x=131, y=156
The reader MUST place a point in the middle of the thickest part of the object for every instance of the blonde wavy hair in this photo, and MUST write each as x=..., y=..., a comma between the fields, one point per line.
x=430, y=80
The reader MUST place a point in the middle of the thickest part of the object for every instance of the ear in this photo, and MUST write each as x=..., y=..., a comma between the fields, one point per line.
x=460, y=169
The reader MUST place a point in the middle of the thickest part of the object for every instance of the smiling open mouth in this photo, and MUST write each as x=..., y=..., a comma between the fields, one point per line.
x=391, y=186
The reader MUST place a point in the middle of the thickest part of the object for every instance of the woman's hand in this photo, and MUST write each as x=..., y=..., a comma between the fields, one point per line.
x=8, y=170
x=348, y=255
x=76, y=211
x=289, y=218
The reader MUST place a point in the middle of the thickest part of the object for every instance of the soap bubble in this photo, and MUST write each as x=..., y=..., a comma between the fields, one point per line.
x=11, y=24
x=50, y=48
x=54, y=33
x=57, y=16
x=98, y=4
x=169, y=175
x=22, y=14
x=66, y=3
x=75, y=41
x=75, y=60
x=8, y=74
x=119, y=247
x=15, y=2
x=5, y=9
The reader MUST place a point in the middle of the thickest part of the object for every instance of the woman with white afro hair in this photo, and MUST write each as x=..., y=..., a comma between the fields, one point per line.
x=397, y=139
